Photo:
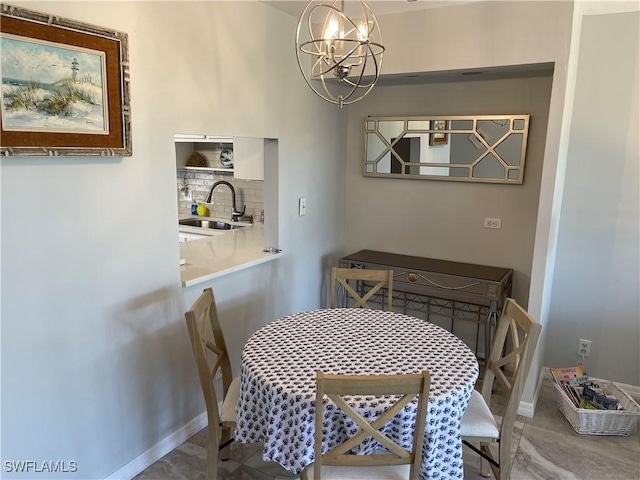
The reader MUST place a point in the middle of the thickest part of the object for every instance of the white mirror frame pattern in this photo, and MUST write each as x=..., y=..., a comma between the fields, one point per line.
x=462, y=148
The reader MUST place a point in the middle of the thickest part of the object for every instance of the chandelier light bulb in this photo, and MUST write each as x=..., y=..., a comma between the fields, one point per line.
x=339, y=52
x=332, y=29
x=363, y=32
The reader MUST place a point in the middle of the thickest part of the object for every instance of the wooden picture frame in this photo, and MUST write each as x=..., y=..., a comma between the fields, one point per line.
x=439, y=138
x=65, y=87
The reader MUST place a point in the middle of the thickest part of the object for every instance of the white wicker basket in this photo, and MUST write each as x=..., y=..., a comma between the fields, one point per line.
x=601, y=422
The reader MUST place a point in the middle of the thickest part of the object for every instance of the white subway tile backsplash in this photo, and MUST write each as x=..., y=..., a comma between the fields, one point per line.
x=248, y=192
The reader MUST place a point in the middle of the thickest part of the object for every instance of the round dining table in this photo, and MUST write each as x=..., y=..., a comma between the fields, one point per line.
x=278, y=371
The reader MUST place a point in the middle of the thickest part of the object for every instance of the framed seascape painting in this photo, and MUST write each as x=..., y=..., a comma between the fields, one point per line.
x=65, y=87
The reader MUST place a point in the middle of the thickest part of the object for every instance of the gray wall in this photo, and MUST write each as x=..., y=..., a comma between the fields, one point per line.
x=473, y=37
x=442, y=219
x=96, y=362
x=596, y=286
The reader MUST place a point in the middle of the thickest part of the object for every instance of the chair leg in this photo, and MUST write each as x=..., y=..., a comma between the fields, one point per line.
x=486, y=468
x=212, y=457
x=487, y=462
x=225, y=453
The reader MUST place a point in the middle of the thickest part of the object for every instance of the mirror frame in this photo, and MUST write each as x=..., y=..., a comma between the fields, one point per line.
x=371, y=125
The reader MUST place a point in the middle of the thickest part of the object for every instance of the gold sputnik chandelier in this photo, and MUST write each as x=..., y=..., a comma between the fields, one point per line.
x=339, y=52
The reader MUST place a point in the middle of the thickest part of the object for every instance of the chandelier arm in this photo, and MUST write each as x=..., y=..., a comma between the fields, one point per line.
x=356, y=84
x=335, y=63
x=348, y=55
x=359, y=84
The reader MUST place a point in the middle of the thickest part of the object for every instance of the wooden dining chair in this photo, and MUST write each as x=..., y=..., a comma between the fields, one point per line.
x=392, y=461
x=383, y=278
x=511, y=354
x=210, y=352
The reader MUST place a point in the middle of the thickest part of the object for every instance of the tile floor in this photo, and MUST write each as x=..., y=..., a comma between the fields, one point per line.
x=546, y=448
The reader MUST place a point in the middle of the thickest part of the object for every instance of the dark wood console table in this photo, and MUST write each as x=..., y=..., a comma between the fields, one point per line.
x=459, y=291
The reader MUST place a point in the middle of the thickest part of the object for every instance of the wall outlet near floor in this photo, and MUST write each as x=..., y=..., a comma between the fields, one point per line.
x=493, y=223
x=584, y=347
x=302, y=206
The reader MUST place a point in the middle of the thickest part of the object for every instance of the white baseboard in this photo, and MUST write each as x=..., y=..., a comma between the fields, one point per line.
x=527, y=409
x=160, y=449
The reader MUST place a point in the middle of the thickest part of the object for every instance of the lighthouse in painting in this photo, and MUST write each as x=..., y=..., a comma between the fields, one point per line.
x=74, y=69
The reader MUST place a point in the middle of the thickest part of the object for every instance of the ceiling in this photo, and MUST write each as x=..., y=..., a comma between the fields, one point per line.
x=379, y=7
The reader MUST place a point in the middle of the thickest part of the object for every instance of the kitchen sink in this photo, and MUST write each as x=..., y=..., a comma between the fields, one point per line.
x=214, y=224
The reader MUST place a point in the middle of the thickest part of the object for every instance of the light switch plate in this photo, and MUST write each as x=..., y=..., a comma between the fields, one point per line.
x=302, y=206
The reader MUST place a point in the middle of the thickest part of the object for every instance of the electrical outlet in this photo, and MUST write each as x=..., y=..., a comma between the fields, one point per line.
x=302, y=206
x=218, y=375
x=493, y=223
x=584, y=347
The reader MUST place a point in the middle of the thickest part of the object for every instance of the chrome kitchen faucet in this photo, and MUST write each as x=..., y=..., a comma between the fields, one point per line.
x=235, y=215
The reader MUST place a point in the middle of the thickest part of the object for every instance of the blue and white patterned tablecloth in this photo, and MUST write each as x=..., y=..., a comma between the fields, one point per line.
x=279, y=362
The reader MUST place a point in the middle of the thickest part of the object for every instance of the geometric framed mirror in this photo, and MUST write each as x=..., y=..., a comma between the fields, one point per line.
x=461, y=148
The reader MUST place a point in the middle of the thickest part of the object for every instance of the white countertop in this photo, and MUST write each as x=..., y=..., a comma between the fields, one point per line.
x=224, y=252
